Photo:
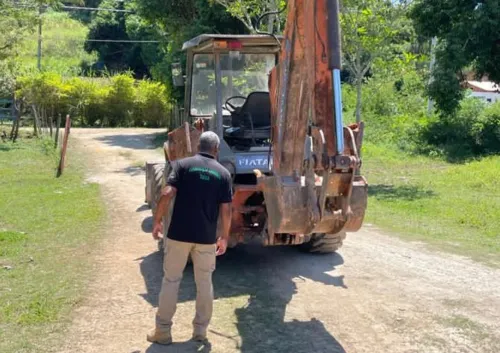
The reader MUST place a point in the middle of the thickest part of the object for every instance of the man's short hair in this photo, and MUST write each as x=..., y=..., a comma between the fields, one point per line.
x=209, y=141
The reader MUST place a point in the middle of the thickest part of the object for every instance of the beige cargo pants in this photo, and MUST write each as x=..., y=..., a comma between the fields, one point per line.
x=176, y=256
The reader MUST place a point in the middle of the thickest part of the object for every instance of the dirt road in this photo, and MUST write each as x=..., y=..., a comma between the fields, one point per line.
x=379, y=294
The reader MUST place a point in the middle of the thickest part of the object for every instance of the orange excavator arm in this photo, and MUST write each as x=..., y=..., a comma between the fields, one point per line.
x=315, y=184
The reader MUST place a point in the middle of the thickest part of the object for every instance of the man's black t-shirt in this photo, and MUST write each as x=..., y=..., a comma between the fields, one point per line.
x=202, y=185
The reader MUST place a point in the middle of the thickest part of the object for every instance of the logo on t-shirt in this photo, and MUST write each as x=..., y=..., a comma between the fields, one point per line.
x=205, y=173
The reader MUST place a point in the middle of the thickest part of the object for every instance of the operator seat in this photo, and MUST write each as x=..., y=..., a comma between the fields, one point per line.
x=251, y=123
x=254, y=113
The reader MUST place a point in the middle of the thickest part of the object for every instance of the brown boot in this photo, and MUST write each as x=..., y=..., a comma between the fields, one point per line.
x=159, y=337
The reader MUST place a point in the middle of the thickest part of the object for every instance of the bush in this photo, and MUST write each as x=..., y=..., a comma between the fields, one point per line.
x=81, y=94
x=487, y=130
x=391, y=107
x=473, y=130
x=43, y=95
x=118, y=101
x=151, y=107
x=394, y=111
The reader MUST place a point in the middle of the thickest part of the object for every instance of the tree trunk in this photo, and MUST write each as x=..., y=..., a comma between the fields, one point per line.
x=56, y=142
x=35, y=121
x=13, y=130
x=16, y=132
x=359, y=82
x=15, y=124
x=42, y=121
x=45, y=121
x=51, y=122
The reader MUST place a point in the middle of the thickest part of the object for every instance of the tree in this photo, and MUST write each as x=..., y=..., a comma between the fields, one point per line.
x=248, y=10
x=468, y=33
x=370, y=31
x=15, y=22
x=83, y=16
x=122, y=56
x=180, y=21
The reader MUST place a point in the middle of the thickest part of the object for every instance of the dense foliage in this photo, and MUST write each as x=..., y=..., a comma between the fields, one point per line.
x=62, y=46
x=112, y=36
x=383, y=58
x=468, y=33
x=181, y=21
x=115, y=101
x=372, y=30
x=394, y=111
x=473, y=130
x=248, y=12
x=14, y=23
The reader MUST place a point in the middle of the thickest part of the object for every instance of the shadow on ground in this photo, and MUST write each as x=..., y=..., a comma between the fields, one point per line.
x=131, y=170
x=135, y=141
x=181, y=347
x=268, y=276
x=6, y=147
x=399, y=192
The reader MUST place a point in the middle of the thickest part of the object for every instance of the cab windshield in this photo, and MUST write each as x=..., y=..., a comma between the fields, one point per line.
x=242, y=73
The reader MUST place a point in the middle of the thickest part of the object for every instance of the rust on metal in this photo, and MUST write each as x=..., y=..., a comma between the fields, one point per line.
x=320, y=191
x=182, y=142
x=359, y=203
x=303, y=80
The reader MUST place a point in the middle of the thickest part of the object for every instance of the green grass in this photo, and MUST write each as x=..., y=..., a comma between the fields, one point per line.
x=47, y=228
x=62, y=46
x=455, y=207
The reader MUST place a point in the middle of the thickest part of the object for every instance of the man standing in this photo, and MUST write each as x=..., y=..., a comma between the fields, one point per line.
x=202, y=189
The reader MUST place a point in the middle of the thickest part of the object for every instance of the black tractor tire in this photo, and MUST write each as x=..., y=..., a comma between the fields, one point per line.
x=324, y=243
x=157, y=185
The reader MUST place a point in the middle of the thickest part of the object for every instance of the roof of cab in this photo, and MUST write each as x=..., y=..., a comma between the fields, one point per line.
x=255, y=39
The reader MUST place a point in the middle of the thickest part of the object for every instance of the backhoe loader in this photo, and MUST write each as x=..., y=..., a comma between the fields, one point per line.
x=275, y=102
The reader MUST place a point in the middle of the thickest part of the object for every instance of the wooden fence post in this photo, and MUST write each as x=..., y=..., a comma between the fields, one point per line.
x=64, y=146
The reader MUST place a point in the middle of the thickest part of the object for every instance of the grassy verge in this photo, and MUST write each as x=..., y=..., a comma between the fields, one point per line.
x=455, y=207
x=47, y=227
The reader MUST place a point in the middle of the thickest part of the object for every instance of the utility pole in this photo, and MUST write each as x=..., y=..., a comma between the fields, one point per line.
x=39, y=53
x=430, y=104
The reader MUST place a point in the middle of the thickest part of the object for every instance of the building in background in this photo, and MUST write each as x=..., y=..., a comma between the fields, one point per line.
x=486, y=90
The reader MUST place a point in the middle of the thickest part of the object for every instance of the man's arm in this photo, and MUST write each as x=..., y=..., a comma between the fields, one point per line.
x=167, y=195
x=225, y=211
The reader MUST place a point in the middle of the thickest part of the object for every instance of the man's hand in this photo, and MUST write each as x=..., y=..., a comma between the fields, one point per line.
x=167, y=195
x=221, y=246
x=157, y=231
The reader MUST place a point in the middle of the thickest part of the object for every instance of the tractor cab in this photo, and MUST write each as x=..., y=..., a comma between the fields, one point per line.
x=227, y=85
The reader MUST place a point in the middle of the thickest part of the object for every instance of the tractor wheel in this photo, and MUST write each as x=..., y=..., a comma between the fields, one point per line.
x=157, y=184
x=324, y=243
